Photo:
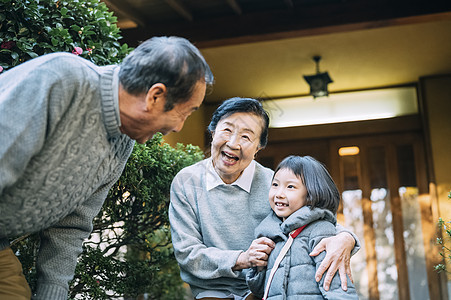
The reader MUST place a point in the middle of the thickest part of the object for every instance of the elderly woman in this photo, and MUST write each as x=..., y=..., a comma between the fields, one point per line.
x=217, y=203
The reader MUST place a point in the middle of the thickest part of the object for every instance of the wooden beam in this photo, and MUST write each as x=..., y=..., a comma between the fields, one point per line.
x=235, y=6
x=397, y=219
x=426, y=195
x=289, y=3
x=368, y=222
x=290, y=23
x=127, y=11
x=383, y=126
x=180, y=9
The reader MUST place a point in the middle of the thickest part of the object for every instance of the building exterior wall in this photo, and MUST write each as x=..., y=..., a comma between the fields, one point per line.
x=436, y=92
x=193, y=131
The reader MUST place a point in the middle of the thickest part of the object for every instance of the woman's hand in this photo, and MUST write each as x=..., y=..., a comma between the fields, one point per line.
x=256, y=256
x=338, y=256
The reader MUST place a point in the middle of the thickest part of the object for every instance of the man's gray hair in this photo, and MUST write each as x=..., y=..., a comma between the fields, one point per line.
x=173, y=61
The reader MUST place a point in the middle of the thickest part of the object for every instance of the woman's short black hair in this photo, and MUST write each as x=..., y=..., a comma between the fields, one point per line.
x=321, y=189
x=241, y=105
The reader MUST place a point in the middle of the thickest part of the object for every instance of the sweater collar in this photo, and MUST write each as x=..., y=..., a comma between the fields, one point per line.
x=109, y=90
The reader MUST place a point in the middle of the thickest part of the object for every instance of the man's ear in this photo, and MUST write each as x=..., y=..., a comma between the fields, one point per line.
x=156, y=95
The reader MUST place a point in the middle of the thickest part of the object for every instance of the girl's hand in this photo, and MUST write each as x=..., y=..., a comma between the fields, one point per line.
x=338, y=256
x=256, y=256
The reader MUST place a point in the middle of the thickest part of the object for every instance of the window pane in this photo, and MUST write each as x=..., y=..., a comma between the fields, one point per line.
x=351, y=179
x=413, y=242
x=378, y=177
x=342, y=107
x=387, y=273
x=406, y=165
x=352, y=211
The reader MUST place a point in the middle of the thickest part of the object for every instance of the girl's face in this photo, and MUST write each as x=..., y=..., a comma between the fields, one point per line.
x=287, y=194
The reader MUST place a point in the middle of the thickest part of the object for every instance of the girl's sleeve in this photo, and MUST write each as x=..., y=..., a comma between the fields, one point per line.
x=256, y=281
x=341, y=229
x=322, y=230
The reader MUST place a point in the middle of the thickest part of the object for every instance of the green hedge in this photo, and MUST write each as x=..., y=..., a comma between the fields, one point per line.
x=29, y=28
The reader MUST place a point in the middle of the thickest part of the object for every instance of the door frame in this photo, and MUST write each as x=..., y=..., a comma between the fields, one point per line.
x=390, y=141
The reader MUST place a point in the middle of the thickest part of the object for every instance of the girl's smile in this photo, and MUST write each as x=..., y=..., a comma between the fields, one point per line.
x=287, y=194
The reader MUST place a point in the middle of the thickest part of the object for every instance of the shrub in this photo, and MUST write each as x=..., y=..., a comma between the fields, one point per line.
x=446, y=251
x=30, y=28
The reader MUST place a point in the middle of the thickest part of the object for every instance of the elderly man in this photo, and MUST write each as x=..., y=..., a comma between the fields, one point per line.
x=67, y=129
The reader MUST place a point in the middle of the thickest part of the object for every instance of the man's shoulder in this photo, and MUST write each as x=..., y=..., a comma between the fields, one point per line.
x=57, y=58
x=62, y=56
x=62, y=62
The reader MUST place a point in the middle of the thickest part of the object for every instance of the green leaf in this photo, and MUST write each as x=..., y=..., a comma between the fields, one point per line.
x=75, y=27
x=32, y=54
x=23, y=31
x=64, y=11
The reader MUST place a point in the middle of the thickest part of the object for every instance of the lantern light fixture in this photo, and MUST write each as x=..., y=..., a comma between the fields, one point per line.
x=319, y=81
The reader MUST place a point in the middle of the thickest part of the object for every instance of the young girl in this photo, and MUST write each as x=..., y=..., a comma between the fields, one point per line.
x=302, y=194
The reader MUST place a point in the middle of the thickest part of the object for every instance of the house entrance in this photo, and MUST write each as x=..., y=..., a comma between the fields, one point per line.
x=386, y=202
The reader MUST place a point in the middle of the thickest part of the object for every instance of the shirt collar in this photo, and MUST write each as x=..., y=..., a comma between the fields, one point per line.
x=244, y=181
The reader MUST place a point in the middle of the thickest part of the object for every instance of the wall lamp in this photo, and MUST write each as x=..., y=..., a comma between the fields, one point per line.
x=319, y=81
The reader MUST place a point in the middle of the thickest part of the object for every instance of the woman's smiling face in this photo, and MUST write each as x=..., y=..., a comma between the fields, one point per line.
x=236, y=140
